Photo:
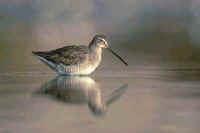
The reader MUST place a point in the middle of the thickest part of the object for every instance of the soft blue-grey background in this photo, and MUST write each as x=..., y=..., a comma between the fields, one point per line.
x=141, y=30
x=160, y=39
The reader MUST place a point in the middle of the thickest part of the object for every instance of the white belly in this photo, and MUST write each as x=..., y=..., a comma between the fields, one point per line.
x=83, y=69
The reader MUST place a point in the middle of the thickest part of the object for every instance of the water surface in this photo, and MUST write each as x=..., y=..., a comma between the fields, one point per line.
x=144, y=100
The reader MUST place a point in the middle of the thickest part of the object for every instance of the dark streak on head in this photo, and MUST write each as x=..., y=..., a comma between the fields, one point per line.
x=98, y=36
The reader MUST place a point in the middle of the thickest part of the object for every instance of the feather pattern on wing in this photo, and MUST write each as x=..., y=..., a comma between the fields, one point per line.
x=68, y=55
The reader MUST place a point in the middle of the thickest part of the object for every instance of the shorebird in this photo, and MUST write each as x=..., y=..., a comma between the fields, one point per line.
x=77, y=59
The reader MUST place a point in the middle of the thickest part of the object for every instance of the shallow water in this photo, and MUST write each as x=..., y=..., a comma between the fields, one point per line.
x=152, y=100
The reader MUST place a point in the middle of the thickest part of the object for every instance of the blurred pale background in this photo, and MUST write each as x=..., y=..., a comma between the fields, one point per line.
x=143, y=31
x=160, y=39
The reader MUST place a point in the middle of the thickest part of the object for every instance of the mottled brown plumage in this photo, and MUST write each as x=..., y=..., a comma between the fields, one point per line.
x=68, y=55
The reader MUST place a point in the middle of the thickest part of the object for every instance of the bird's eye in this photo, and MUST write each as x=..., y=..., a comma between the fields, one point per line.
x=99, y=40
x=102, y=41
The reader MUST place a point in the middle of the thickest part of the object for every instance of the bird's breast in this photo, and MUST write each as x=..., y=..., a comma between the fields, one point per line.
x=86, y=67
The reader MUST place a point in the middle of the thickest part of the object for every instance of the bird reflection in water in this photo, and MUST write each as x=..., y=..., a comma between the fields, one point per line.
x=81, y=90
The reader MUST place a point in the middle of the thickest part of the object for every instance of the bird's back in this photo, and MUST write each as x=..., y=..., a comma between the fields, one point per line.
x=68, y=55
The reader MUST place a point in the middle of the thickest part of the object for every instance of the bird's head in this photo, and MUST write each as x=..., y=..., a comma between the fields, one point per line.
x=100, y=41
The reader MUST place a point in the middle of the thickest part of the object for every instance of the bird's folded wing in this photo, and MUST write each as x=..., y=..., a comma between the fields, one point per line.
x=68, y=55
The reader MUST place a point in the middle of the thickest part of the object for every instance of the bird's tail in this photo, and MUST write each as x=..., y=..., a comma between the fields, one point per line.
x=44, y=57
x=38, y=53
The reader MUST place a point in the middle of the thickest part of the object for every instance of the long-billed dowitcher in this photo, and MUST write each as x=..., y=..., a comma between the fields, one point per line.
x=77, y=60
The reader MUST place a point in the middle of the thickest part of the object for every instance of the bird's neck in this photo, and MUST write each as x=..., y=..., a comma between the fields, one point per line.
x=95, y=50
x=95, y=55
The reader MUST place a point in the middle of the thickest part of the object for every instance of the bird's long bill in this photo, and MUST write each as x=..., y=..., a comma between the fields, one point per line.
x=117, y=56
